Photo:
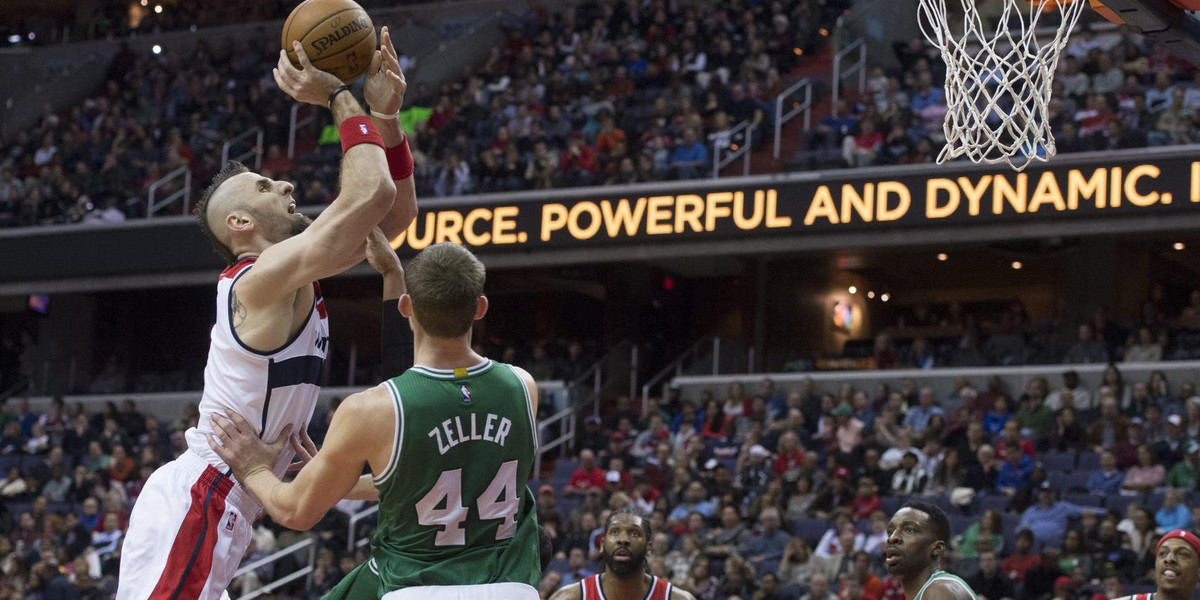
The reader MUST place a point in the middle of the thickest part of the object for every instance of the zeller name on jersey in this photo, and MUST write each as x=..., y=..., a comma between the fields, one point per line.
x=470, y=433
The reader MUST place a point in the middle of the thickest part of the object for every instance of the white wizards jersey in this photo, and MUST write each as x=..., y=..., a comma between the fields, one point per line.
x=268, y=389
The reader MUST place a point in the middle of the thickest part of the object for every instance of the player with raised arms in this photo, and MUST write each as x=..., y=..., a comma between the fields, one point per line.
x=449, y=443
x=623, y=576
x=1176, y=568
x=191, y=525
x=917, y=539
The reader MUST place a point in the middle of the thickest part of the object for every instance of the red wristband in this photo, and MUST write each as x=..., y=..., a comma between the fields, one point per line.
x=358, y=130
x=400, y=160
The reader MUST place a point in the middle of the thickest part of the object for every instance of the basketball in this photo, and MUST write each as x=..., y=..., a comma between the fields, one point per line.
x=337, y=36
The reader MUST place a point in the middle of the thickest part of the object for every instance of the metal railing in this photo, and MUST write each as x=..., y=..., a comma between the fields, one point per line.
x=185, y=192
x=296, y=124
x=352, y=540
x=568, y=417
x=286, y=579
x=256, y=151
x=676, y=366
x=804, y=85
x=738, y=142
x=859, y=66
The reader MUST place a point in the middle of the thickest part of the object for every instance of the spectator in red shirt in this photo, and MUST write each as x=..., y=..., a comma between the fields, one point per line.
x=1022, y=560
x=1012, y=431
x=587, y=476
x=867, y=500
x=860, y=149
x=578, y=162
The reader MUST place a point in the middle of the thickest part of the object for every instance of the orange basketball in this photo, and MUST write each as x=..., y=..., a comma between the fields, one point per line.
x=337, y=36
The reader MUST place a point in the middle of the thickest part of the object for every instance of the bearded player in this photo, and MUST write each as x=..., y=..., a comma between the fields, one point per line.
x=917, y=538
x=625, y=550
x=450, y=444
x=1176, y=568
x=193, y=521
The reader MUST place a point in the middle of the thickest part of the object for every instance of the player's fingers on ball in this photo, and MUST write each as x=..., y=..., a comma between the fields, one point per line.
x=285, y=63
x=304, y=62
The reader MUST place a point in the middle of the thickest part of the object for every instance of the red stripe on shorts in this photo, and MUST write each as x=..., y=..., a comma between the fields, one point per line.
x=190, y=559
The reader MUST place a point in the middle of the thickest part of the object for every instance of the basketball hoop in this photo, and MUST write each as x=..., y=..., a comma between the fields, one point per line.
x=998, y=85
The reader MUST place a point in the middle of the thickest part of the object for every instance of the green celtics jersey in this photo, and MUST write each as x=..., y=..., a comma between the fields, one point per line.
x=944, y=575
x=453, y=505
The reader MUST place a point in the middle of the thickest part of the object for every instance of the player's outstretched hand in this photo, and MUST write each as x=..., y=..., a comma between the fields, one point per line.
x=381, y=256
x=304, y=448
x=234, y=440
x=307, y=84
x=385, y=85
x=383, y=259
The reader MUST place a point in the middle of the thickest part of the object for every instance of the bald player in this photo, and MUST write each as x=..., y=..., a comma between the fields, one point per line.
x=193, y=521
x=1176, y=568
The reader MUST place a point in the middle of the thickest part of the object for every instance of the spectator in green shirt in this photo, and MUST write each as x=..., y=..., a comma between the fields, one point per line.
x=1184, y=475
x=1034, y=415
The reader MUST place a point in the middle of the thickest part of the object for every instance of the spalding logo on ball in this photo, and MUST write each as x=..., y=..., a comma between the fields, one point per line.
x=337, y=36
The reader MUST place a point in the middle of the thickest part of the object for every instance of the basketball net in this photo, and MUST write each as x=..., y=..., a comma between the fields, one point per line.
x=998, y=85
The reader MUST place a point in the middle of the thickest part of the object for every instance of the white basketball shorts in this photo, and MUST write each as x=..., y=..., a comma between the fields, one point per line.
x=188, y=532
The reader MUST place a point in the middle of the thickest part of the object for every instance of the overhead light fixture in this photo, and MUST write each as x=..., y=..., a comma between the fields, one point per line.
x=158, y=9
x=871, y=294
x=1016, y=264
x=852, y=290
x=156, y=49
x=885, y=297
x=1179, y=246
x=943, y=257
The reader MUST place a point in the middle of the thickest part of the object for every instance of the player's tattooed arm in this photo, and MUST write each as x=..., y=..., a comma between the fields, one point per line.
x=237, y=310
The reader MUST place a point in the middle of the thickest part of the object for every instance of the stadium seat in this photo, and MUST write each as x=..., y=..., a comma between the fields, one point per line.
x=1081, y=499
x=1070, y=482
x=810, y=530
x=998, y=502
x=9, y=461
x=29, y=462
x=791, y=590
x=1009, y=529
x=1153, y=501
x=1088, y=462
x=891, y=504
x=564, y=468
x=1120, y=503
x=1058, y=461
x=959, y=523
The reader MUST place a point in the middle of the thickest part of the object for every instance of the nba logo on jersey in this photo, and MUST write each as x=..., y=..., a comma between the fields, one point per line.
x=363, y=128
x=231, y=522
x=466, y=392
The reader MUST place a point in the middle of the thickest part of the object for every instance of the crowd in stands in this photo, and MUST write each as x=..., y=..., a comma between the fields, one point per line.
x=786, y=493
x=603, y=92
x=949, y=335
x=107, y=19
x=756, y=493
x=1112, y=91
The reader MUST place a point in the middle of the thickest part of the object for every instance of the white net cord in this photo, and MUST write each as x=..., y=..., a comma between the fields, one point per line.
x=998, y=85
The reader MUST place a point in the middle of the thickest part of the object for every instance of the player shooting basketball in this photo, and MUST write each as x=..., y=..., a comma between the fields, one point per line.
x=193, y=522
x=450, y=444
x=917, y=538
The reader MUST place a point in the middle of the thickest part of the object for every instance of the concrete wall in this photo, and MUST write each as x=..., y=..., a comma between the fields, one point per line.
x=943, y=381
